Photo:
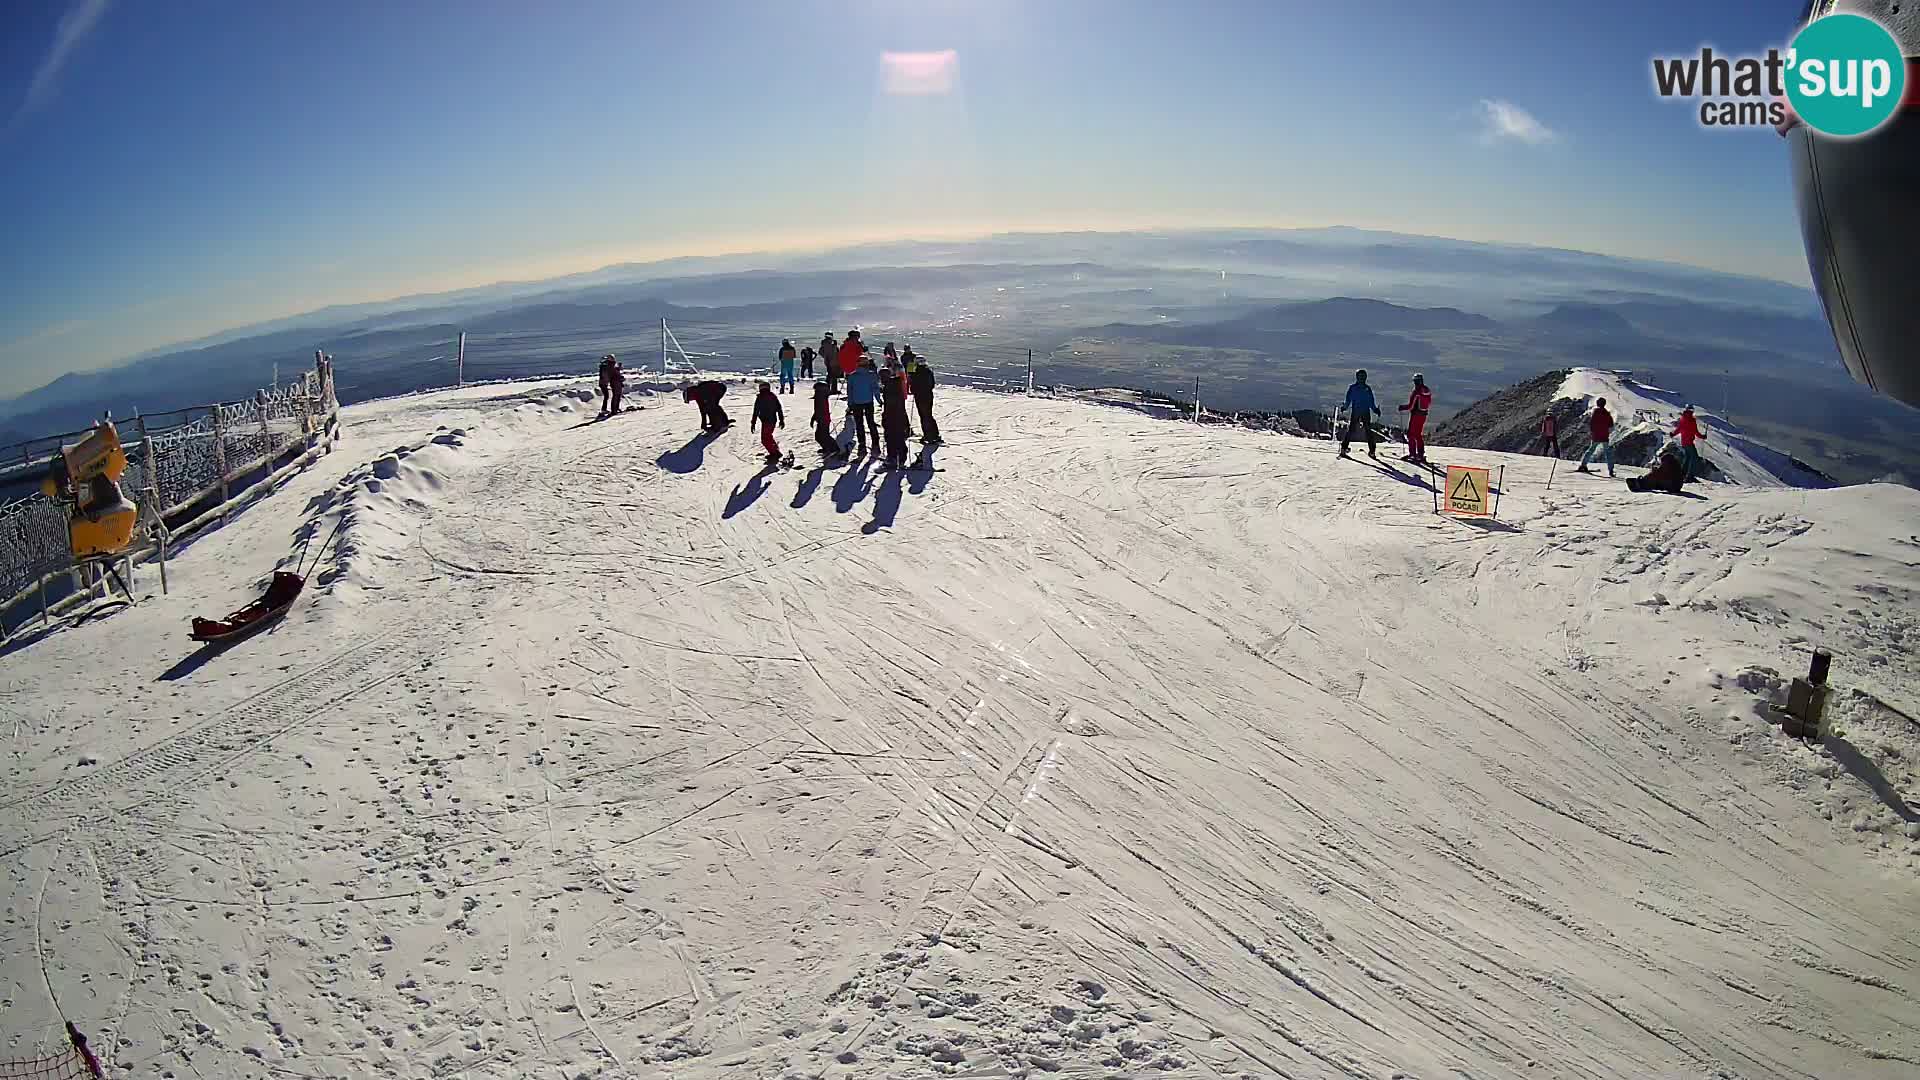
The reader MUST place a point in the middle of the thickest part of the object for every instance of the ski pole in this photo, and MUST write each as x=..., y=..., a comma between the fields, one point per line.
x=322, y=550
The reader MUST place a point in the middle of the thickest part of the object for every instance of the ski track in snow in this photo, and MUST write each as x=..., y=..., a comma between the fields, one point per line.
x=1117, y=748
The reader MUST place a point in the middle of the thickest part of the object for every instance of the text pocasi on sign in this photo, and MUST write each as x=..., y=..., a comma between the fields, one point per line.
x=1469, y=491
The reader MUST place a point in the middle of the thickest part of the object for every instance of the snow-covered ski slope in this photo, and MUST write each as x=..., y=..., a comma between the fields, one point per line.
x=1120, y=747
x=1638, y=407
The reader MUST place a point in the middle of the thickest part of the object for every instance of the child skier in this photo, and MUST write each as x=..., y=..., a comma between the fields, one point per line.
x=766, y=413
x=823, y=422
x=1418, y=405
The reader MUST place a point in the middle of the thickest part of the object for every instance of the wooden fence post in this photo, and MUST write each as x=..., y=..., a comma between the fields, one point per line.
x=260, y=400
x=220, y=454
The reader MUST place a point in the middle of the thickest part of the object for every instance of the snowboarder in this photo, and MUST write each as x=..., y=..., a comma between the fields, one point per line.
x=1419, y=403
x=766, y=413
x=1600, y=430
x=830, y=447
x=1688, y=429
x=1550, y=435
x=863, y=384
x=1360, y=413
x=920, y=381
x=787, y=357
x=1668, y=474
x=613, y=385
x=806, y=362
x=830, y=360
x=893, y=416
x=707, y=395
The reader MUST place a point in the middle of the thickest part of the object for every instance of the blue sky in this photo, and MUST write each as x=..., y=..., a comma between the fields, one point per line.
x=171, y=170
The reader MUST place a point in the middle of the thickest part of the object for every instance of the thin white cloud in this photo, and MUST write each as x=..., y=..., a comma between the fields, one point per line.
x=74, y=27
x=1501, y=121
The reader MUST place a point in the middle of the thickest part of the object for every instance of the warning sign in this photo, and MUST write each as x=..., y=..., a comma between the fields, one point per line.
x=1468, y=490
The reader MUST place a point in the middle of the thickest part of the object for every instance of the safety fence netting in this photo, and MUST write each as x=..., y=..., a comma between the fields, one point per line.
x=70, y=1060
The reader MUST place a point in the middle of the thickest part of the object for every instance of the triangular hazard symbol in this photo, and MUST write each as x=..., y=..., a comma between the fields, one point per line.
x=1465, y=491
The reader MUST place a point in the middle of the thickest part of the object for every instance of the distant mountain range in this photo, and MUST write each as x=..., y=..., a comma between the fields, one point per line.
x=1269, y=319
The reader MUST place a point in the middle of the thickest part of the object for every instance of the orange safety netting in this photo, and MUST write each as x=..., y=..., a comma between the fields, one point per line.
x=71, y=1062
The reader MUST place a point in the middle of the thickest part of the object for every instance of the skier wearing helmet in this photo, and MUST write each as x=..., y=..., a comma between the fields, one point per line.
x=1360, y=413
x=1419, y=403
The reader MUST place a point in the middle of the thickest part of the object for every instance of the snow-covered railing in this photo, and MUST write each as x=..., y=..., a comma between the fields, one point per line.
x=186, y=468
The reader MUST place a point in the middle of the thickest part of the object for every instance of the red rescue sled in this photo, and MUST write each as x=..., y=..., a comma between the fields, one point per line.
x=279, y=597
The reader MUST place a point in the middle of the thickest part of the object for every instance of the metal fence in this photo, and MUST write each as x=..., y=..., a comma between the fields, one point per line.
x=183, y=471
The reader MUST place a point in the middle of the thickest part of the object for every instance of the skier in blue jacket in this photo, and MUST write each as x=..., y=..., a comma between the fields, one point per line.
x=863, y=384
x=1360, y=413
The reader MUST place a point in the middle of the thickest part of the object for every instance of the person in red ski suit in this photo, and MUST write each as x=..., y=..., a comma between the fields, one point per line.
x=1418, y=405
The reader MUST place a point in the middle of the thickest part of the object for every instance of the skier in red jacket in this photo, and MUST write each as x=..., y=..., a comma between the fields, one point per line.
x=1419, y=403
x=1600, y=429
x=850, y=352
x=1688, y=429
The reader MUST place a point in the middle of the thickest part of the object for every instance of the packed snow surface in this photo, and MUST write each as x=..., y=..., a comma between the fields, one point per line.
x=1117, y=747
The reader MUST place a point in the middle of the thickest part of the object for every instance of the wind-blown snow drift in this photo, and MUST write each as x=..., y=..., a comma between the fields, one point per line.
x=1118, y=747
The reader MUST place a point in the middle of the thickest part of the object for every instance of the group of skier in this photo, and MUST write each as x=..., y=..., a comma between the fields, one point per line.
x=901, y=375
x=1361, y=409
x=1678, y=462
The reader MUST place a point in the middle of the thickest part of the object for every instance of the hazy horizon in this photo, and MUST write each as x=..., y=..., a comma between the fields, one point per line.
x=481, y=281
x=174, y=173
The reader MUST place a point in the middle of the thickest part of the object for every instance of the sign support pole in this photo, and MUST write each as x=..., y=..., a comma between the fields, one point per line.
x=1500, y=487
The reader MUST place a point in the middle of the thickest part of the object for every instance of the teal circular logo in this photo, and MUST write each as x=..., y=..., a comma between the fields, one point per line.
x=1845, y=74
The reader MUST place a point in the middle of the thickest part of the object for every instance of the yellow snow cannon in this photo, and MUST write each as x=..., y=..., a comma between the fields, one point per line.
x=86, y=478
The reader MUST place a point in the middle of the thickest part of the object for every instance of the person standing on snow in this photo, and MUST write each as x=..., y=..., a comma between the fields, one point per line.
x=851, y=350
x=707, y=395
x=1550, y=435
x=863, y=384
x=787, y=357
x=1418, y=405
x=612, y=385
x=806, y=362
x=1360, y=413
x=766, y=413
x=1688, y=430
x=920, y=381
x=893, y=416
x=1600, y=430
x=830, y=447
x=830, y=360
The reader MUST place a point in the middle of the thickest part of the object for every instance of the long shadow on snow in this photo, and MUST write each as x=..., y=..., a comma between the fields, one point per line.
x=886, y=503
x=922, y=471
x=1413, y=481
x=1865, y=771
x=744, y=497
x=688, y=458
x=194, y=662
x=853, y=485
x=808, y=486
